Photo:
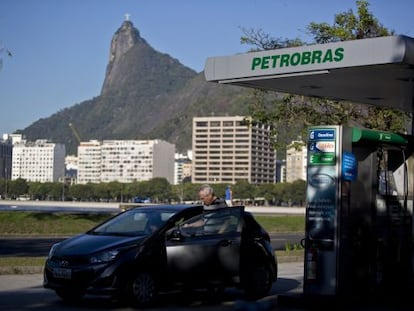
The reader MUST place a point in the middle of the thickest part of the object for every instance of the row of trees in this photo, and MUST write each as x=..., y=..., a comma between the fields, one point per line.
x=157, y=190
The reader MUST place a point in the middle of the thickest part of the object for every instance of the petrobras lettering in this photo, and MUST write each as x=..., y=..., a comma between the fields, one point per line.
x=298, y=59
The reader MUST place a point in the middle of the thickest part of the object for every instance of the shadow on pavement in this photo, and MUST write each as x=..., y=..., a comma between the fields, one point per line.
x=361, y=303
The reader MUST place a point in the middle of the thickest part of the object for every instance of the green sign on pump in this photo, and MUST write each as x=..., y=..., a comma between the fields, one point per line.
x=377, y=136
x=326, y=158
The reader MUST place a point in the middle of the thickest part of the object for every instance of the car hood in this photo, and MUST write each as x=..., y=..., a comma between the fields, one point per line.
x=85, y=244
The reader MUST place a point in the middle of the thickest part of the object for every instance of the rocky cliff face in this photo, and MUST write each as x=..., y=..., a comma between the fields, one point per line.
x=145, y=95
x=122, y=41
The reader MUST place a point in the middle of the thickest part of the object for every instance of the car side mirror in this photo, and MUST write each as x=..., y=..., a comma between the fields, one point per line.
x=175, y=234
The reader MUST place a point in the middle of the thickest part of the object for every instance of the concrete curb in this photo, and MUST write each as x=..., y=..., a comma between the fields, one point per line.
x=21, y=270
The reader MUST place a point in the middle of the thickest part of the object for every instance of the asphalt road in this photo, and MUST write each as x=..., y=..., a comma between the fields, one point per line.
x=26, y=292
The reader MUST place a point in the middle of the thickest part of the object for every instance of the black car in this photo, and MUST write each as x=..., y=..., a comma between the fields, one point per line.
x=148, y=250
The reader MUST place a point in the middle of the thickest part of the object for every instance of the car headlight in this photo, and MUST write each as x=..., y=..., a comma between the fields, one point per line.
x=103, y=257
x=52, y=250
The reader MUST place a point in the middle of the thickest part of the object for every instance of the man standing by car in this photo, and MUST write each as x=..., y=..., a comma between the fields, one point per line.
x=211, y=202
x=209, y=199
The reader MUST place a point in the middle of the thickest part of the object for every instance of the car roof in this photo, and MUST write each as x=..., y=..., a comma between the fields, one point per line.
x=169, y=207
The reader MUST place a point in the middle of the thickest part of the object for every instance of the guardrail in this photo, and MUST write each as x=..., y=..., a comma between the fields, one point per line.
x=253, y=209
x=297, y=210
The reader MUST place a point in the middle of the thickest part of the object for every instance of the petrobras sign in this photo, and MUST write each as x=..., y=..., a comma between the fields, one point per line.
x=308, y=59
x=298, y=58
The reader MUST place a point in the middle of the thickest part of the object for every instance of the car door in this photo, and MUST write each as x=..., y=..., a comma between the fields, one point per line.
x=206, y=248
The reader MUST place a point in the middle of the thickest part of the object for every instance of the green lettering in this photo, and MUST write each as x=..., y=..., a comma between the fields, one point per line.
x=284, y=60
x=295, y=59
x=306, y=58
x=339, y=54
x=328, y=56
x=256, y=62
x=265, y=62
x=316, y=56
x=275, y=58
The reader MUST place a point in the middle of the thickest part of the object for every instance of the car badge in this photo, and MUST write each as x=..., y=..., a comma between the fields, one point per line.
x=64, y=263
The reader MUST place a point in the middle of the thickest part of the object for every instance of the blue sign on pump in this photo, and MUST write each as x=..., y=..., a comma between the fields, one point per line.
x=322, y=134
x=349, y=166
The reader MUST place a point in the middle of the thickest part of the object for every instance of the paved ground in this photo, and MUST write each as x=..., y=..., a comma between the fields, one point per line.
x=290, y=277
x=25, y=292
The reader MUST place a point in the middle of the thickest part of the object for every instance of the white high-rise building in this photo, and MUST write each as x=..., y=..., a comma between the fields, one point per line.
x=40, y=161
x=226, y=149
x=125, y=161
x=296, y=161
x=89, y=162
x=182, y=167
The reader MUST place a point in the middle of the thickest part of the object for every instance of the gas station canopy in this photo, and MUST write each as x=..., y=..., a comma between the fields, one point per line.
x=376, y=71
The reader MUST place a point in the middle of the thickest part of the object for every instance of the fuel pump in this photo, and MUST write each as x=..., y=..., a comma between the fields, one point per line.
x=359, y=231
x=392, y=221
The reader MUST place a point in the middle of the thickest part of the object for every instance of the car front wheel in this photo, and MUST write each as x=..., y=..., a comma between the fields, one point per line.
x=143, y=289
x=258, y=282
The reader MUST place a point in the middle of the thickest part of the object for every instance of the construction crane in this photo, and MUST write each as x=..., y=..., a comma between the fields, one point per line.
x=75, y=132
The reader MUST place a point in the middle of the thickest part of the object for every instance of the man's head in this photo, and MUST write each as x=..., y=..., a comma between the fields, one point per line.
x=206, y=194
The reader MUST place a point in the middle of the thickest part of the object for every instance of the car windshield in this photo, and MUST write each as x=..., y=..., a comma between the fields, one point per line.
x=135, y=222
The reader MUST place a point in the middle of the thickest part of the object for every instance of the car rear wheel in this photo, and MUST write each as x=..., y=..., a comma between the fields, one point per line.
x=143, y=289
x=258, y=282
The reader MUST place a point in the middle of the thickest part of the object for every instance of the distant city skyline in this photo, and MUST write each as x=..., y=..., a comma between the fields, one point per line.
x=55, y=53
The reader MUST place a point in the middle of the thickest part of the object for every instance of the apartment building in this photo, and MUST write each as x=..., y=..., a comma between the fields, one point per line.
x=226, y=149
x=296, y=159
x=182, y=167
x=89, y=162
x=5, y=157
x=71, y=169
x=125, y=160
x=280, y=171
x=39, y=161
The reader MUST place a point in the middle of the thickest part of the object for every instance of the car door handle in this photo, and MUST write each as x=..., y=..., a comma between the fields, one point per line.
x=225, y=243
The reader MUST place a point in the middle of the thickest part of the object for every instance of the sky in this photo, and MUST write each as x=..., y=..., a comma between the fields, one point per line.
x=60, y=48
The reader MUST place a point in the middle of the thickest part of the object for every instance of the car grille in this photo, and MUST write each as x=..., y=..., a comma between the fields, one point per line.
x=69, y=261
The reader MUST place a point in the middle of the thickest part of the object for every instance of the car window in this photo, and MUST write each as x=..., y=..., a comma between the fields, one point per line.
x=218, y=221
x=134, y=222
x=187, y=214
